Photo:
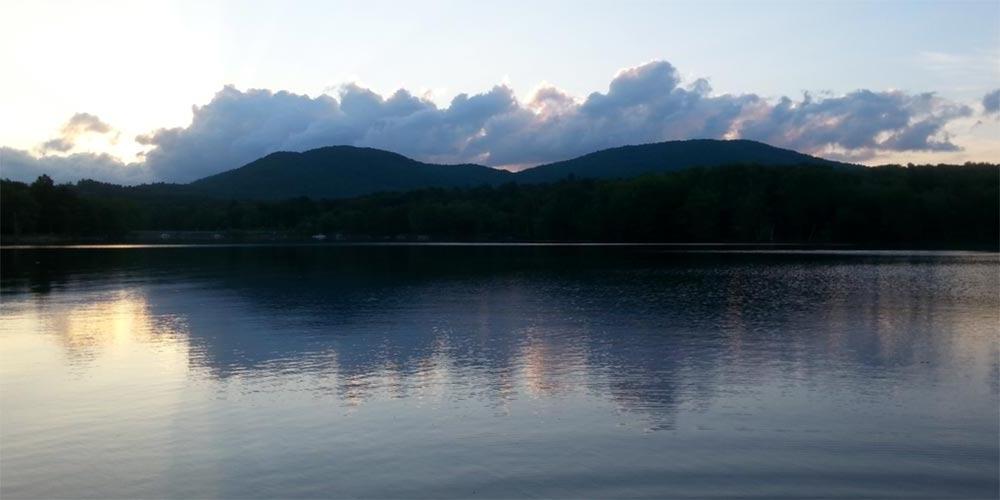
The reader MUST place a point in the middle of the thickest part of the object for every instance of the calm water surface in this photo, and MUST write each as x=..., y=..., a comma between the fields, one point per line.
x=326, y=371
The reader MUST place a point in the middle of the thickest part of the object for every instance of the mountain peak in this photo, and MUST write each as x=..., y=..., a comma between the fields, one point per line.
x=633, y=160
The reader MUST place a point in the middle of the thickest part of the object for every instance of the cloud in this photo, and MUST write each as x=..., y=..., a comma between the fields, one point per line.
x=85, y=122
x=645, y=103
x=20, y=165
x=238, y=127
x=79, y=124
x=859, y=124
x=60, y=144
x=991, y=103
x=971, y=68
x=235, y=128
x=642, y=104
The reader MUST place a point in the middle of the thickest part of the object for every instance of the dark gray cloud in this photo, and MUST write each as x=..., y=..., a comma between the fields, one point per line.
x=78, y=124
x=991, y=102
x=647, y=103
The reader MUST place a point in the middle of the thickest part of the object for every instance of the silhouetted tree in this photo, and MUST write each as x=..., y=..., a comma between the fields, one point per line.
x=890, y=205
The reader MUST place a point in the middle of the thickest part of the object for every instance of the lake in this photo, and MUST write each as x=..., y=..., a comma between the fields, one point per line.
x=498, y=371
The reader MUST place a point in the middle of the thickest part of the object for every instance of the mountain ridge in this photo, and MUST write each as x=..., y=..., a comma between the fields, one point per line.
x=342, y=171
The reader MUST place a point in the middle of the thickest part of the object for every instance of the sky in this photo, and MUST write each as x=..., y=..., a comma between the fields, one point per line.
x=137, y=91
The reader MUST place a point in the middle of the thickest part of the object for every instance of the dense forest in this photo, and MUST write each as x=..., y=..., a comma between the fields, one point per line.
x=891, y=205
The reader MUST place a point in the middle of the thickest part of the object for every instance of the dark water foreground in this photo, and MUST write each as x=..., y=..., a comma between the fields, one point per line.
x=429, y=371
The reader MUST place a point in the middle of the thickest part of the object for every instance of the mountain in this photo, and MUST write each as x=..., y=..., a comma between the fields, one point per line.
x=340, y=172
x=347, y=171
x=632, y=161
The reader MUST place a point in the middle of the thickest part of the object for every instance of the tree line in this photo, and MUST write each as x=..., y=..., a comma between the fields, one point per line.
x=949, y=205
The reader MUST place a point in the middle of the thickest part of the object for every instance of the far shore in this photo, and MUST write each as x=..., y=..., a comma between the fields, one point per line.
x=168, y=239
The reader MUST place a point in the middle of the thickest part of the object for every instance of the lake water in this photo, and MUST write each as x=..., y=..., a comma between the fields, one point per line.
x=496, y=371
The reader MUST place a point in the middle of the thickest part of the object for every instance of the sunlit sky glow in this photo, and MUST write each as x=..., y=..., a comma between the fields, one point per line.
x=139, y=67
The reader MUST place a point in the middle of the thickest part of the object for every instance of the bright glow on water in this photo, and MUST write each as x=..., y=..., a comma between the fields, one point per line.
x=497, y=372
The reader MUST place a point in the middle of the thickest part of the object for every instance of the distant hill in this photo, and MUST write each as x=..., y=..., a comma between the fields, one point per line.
x=340, y=172
x=347, y=171
x=632, y=161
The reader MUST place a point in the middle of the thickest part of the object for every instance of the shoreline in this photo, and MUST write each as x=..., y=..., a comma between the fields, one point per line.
x=734, y=247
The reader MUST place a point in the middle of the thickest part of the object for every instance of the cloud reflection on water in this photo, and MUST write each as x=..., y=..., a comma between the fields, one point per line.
x=651, y=333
